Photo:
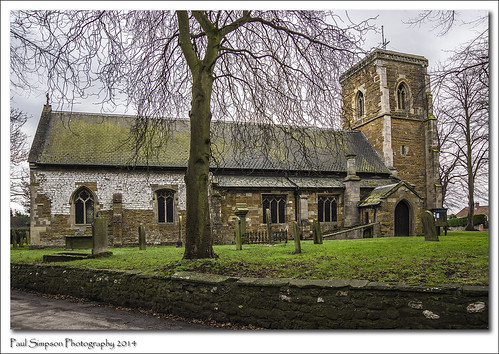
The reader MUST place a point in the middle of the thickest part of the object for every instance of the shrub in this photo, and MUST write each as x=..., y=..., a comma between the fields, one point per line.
x=477, y=220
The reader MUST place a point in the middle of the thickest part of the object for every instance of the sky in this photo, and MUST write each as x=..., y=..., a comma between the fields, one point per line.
x=401, y=37
x=420, y=41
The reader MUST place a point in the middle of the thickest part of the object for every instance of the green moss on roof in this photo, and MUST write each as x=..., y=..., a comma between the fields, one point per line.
x=376, y=195
x=105, y=140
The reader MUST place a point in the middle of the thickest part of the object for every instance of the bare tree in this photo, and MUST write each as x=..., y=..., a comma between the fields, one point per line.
x=18, y=155
x=273, y=67
x=463, y=108
x=461, y=88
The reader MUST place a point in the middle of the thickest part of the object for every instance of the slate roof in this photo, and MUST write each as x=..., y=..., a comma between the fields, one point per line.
x=238, y=181
x=376, y=196
x=84, y=139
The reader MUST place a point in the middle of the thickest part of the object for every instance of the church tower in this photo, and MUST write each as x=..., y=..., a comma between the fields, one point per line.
x=387, y=96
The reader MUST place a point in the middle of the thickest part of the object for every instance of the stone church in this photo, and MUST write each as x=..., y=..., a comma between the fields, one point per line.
x=375, y=177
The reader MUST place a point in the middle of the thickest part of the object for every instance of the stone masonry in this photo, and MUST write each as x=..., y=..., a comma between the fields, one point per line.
x=52, y=191
x=405, y=138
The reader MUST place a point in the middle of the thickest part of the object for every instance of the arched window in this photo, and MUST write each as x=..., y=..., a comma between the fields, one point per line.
x=277, y=206
x=402, y=96
x=165, y=205
x=327, y=208
x=84, y=207
x=359, y=102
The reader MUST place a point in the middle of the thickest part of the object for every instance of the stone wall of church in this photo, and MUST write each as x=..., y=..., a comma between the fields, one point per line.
x=398, y=135
x=408, y=152
x=51, y=202
x=386, y=213
x=53, y=217
x=224, y=223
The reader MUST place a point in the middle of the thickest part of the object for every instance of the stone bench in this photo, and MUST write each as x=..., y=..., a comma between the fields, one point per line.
x=78, y=242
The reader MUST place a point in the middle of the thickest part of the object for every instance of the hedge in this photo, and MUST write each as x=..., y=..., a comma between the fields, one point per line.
x=477, y=220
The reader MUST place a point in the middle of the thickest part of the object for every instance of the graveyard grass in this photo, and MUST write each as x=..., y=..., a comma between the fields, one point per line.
x=458, y=258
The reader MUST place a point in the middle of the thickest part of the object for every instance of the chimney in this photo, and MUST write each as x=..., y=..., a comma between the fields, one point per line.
x=351, y=166
x=477, y=205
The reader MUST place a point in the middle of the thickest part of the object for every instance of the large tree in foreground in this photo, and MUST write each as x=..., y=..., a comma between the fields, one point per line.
x=274, y=67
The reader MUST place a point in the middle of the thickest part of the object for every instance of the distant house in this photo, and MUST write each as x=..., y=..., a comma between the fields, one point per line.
x=479, y=209
x=381, y=169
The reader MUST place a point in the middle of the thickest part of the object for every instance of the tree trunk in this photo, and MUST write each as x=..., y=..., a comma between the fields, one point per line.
x=198, y=238
x=471, y=199
x=471, y=179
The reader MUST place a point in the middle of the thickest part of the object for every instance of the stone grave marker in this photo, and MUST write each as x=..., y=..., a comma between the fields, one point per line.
x=296, y=236
x=429, y=228
x=241, y=210
x=179, y=241
x=316, y=229
x=268, y=218
x=239, y=241
x=99, y=235
x=142, y=237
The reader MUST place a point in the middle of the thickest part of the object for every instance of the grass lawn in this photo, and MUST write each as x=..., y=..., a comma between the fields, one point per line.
x=458, y=258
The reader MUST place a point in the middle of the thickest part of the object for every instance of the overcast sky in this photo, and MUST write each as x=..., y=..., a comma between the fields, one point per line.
x=402, y=37
x=419, y=41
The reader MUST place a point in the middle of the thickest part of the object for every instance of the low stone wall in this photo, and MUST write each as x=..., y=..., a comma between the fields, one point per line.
x=269, y=303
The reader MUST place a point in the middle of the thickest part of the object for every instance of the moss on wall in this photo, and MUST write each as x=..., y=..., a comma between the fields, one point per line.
x=270, y=303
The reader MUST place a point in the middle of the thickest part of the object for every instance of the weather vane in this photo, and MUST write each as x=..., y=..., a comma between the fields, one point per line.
x=384, y=42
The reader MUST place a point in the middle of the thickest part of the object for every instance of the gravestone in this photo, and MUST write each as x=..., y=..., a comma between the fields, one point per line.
x=268, y=218
x=99, y=235
x=117, y=219
x=429, y=228
x=239, y=242
x=142, y=237
x=316, y=229
x=296, y=236
x=179, y=241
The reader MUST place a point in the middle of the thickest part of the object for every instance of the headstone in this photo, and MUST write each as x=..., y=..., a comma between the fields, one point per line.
x=142, y=237
x=99, y=235
x=429, y=228
x=296, y=236
x=117, y=219
x=316, y=229
x=239, y=242
x=268, y=218
x=179, y=242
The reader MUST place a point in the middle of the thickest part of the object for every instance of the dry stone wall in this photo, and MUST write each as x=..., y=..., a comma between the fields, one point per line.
x=270, y=303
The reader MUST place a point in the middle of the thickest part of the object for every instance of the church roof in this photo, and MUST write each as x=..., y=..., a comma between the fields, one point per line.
x=376, y=196
x=85, y=139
